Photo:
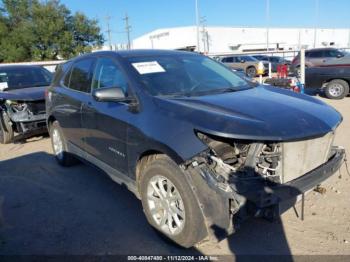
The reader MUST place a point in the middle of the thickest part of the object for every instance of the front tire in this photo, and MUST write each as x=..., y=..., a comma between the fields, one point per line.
x=59, y=146
x=337, y=89
x=6, y=130
x=169, y=203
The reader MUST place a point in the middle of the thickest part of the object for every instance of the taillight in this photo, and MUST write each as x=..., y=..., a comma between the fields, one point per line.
x=46, y=92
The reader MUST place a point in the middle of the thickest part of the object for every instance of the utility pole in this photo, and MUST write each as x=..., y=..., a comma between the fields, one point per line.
x=267, y=24
x=317, y=14
x=197, y=26
x=127, y=30
x=204, y=35
x=108, y=18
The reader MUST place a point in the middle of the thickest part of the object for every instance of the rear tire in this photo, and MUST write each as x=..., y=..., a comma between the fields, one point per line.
x=337, y=89
x=59, y=146
x=251, y=72
x=169, y=203
x=6, y=130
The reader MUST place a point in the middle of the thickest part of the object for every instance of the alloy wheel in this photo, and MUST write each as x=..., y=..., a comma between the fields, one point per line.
x=336, y=90
x=166, y=205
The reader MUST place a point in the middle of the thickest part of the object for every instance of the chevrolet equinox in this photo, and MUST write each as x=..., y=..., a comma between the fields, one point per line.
x=201, y=147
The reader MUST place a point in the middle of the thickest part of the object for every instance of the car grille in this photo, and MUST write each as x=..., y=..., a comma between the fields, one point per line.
x=302, y=157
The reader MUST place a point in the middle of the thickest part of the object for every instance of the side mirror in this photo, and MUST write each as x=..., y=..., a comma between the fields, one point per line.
x=340, y=55
x=113, y=94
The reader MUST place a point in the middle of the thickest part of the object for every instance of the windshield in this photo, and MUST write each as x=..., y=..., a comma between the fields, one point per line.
x=23, y=77
x=185, y=75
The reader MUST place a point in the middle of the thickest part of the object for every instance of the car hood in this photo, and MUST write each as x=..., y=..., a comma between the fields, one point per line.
x=262, y=113
x=24, y=94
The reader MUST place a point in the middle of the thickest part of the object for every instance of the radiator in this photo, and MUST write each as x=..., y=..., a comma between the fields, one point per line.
x=301, y=157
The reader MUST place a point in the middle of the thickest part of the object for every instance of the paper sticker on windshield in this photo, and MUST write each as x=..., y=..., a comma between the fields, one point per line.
x=148, y=67
x=3, y=86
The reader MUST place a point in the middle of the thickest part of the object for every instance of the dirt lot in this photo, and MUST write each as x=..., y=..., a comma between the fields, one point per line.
x=46, y=209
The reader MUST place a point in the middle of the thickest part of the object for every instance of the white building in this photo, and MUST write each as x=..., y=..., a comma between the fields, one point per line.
x=221, y=40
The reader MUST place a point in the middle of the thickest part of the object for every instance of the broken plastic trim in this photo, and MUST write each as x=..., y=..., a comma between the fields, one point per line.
x=242, y=160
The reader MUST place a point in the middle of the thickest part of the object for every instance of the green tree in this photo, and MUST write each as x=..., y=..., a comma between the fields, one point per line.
x=44, y=30
x=17, y=31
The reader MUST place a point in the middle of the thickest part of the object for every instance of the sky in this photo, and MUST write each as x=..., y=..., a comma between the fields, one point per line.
x=148, y=15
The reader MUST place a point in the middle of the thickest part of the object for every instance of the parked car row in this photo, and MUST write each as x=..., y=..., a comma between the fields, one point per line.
x=326, y=68
x=249, y=63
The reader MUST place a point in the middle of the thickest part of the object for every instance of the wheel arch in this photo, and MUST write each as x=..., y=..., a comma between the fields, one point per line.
x=337, y=78
x=150, y=155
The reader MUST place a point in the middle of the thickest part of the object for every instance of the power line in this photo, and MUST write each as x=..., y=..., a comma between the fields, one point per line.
x=127, y=30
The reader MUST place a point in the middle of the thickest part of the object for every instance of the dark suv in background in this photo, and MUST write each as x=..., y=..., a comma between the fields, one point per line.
x=201, y=147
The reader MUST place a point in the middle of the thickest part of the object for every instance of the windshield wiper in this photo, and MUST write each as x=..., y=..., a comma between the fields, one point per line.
x=207, y=92
x=229, y=90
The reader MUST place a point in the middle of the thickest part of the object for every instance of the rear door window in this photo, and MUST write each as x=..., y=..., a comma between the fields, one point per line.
x=80, y=77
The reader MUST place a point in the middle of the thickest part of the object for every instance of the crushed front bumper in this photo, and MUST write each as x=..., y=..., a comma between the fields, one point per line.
x=225, y=208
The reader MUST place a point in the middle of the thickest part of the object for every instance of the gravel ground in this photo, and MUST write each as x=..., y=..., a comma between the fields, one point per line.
x=49, y=210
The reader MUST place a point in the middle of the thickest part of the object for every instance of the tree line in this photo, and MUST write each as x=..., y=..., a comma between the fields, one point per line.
x=34, y=30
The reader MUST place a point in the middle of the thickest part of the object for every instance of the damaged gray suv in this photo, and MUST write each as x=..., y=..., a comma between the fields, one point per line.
x=202, y=148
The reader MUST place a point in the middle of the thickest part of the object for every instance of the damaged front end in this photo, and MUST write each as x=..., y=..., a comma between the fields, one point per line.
x=236, y=179
x=25, y=116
